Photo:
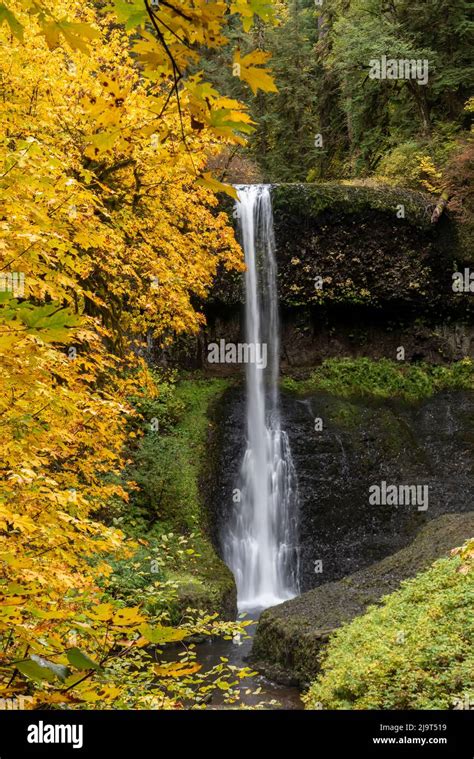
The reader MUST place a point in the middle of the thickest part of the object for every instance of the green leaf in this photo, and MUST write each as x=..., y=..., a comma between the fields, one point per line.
x=59, y=670
x=50, y=323
x=80, y=660
x=131, y=14
x=37, y=668
x=34, y=672
x=160, y=634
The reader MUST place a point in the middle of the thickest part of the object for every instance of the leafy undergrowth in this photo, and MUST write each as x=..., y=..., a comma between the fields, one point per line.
x=384, y=378
x=412, y=652
x=175, y=566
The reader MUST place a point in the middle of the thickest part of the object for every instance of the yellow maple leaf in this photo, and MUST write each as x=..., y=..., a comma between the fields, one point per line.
x=176, y=669
x=128, y=617
x=76, y=34
x=208, y=181
x=246, y=69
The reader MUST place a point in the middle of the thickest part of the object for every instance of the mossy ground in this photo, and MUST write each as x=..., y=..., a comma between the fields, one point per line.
x=291, y=638
x=414, y=651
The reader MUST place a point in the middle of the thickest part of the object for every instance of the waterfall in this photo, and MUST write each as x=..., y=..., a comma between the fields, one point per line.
x=260, y=543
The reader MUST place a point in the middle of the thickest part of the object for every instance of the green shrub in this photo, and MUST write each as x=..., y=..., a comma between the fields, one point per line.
x=169, y=460
x=401, y=163
x=165, y=410
x=412, y=652
x=384, y=378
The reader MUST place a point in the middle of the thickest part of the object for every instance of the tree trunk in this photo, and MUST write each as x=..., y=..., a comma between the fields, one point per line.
x=422, y=105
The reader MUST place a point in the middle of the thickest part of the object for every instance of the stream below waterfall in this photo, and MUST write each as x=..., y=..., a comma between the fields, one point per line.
x=256, y=691
x=269, y=695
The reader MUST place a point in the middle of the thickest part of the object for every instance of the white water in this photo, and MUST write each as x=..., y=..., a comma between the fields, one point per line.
x=260, y=544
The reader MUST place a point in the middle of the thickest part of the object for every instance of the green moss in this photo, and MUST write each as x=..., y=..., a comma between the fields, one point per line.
x=310, y=199
x=412, y=652
x=167, y=509
x=345, y=415
x=383, y=379
x=168, y=462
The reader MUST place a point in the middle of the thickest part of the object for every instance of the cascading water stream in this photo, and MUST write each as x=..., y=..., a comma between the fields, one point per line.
x=260, y=544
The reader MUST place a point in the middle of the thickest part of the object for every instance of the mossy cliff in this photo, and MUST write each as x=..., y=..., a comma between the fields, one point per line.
x=361, y=271
x=291, y=637
x=370, y=245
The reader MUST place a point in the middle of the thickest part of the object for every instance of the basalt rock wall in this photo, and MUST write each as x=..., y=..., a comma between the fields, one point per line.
x=361, y=271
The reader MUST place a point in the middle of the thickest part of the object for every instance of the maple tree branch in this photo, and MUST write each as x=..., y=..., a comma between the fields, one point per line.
x=18, y=256
x=41, y=409
x=183, y=42
x=47, y=550
x=176, y=10
x=101, y=662
x=54, y=210
x=16, y=162
x=116, y=167
x=161, y=38
x=177, y=74
x=166, y=102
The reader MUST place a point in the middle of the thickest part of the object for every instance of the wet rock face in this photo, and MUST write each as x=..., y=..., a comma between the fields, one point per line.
x=310, y=335
x=229, y=445
x=362, y=443
x=372, y=247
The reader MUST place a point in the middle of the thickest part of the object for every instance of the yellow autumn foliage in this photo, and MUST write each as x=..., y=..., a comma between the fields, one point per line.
x=109, y=231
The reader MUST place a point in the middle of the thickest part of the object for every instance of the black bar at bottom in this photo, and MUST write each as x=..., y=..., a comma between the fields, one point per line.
x=368, y=733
